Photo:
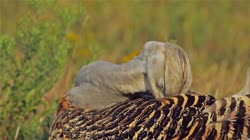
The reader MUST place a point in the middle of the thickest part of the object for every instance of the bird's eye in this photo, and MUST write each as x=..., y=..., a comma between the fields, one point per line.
x=162, y=86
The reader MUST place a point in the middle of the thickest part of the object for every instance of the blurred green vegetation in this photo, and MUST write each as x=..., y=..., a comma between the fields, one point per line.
x=44, y=43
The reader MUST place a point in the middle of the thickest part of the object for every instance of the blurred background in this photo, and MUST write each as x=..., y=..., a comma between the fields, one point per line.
x=44, y=43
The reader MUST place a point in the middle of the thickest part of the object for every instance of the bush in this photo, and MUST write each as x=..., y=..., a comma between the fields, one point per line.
x=31, y=62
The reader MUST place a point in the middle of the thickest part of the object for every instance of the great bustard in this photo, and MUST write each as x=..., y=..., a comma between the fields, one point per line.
x=164, y=114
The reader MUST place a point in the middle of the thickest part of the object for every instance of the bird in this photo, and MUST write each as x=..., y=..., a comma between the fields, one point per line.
x=180, y=117
x=148, y=98
x=162, y=69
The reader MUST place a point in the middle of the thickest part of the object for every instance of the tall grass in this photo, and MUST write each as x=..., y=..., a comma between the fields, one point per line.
x=44, y=43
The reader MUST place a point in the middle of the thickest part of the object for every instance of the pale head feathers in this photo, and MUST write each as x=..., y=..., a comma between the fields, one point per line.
x=168, y=68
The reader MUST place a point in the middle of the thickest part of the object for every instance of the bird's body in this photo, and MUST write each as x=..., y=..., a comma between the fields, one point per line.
x=185, y=116
x=162, y=71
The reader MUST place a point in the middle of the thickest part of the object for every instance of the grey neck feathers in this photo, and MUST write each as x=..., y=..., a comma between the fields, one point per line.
x=101, y=83
x=124, y=78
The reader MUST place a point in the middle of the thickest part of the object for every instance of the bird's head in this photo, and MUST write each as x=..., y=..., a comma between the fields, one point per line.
x=168, y=68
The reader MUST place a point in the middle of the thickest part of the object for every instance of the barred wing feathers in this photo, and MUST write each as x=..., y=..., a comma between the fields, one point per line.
x=228, y=118
x=185, y=116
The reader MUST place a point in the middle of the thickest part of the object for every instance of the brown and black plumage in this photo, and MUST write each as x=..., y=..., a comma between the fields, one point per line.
x=185, y=116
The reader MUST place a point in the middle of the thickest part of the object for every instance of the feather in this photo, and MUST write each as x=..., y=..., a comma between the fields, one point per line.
x=185, y=116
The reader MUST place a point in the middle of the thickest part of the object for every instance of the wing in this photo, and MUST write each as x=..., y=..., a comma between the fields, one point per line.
x=185, y=116
x=147, y=118
x=228, y=118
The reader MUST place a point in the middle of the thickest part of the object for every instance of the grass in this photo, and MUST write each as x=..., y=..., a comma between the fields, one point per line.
x=44, y=43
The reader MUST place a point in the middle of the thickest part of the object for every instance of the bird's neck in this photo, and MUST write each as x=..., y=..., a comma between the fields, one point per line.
x=130, y=77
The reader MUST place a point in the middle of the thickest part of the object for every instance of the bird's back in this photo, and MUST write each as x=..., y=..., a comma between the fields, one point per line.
x=185, y=116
